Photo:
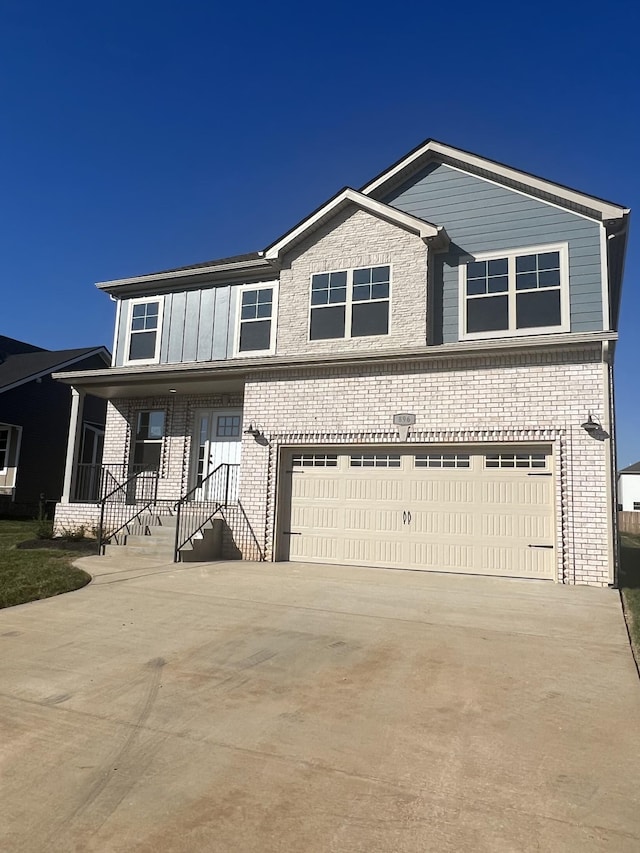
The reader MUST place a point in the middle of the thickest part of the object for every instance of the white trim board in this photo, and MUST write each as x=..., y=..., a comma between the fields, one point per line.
x=425, y=230
x=607, y=210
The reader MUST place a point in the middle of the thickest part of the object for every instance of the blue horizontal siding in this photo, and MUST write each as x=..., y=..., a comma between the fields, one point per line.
x=483, y=217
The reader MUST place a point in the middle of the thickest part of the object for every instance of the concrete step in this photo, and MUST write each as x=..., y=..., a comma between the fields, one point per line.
x=206, y=546
x=133, y=551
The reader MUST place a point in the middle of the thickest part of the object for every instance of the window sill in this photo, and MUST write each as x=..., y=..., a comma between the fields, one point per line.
x=515, y=333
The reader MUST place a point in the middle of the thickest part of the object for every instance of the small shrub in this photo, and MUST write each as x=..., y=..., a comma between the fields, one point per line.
x=73, y=534
x=44, y=530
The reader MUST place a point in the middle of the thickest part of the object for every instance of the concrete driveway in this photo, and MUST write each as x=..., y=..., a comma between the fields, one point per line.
x=243, y=707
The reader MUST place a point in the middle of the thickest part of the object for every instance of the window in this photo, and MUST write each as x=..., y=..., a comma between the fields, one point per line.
x=515, y=293
x=442, y=460
x=228, y=426
x=4, y=449
x=375, y=460
x=144, y=330
x=315, y=460
x=350, y=303
x=636, y=505
x=256, y=319
x=515, y=460
x=148, y=440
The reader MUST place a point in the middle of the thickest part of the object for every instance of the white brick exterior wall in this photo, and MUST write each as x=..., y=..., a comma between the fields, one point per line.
x=511, y=398
x=519, y=398
x=354, y=239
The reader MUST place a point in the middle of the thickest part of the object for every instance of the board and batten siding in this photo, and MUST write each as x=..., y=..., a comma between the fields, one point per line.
x=480, y=216
x=197, y=325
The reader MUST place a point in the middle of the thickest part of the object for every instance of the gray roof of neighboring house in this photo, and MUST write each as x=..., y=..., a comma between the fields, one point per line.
x=631, y=469
x=21, y=362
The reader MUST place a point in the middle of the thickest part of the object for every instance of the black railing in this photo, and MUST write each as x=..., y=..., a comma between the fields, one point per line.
x=194, y=510
x=124, y=505
x=92, y=482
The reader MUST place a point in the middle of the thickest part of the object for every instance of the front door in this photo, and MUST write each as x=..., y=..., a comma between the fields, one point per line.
x=219, y=437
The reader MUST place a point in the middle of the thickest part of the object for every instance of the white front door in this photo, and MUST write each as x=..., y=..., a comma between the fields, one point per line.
x=218, y=441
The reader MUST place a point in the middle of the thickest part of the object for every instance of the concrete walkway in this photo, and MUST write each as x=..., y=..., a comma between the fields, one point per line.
x=238, y=707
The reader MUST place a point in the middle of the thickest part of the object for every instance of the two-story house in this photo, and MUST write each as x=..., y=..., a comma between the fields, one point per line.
x=418, y=375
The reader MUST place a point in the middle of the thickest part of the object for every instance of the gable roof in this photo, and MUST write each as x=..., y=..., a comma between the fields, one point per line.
x=256, y=265
x=631, y=469
x=433, y=151
x=25, y=367
x=427, y=231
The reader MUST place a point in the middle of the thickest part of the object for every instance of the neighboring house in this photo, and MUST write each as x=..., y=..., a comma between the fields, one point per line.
x=629, y=488
x=34, y=422
x=418, y=375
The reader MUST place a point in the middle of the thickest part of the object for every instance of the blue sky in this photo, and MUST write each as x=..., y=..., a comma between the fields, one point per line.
x=138, y=136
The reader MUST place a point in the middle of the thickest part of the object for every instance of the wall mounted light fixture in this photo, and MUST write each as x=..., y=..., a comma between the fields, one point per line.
x=592, y=425
x=257, y=432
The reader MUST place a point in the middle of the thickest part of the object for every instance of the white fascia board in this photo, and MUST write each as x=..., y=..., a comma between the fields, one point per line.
x=424, y=229
x=606, y=209
x=249, y=365
x=98, y=351
x=163, y=276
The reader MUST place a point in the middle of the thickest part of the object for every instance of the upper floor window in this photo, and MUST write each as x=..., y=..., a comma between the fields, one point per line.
x=4, y=449
x=350, y=303
x=257, y=314
x=518, y=292
x=145, y=321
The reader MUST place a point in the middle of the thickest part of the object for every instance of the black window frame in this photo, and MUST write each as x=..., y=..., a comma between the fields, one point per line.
x=513, y=292
x=339, y=296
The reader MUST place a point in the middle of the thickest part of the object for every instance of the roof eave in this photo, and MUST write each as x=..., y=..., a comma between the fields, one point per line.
x=427, y=231
x=212, y=270
x=432, y=149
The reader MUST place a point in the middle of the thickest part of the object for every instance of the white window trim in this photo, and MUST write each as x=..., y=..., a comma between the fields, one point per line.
x=156, y=356
x=511, y=254
x=258, y=285
x=348, y=310
x=8, y=448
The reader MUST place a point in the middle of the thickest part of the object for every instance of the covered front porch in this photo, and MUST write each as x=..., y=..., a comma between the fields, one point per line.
x=171, y=459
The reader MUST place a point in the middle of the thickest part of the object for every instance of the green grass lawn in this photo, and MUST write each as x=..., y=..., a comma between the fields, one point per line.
x=630, y=586
x=27, y=575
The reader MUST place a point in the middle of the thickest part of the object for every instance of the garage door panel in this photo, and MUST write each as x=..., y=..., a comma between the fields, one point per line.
x=487, y=516
x=311, y=487
x=319, y=549
x=316, y=517
x=517, y=492
x=374, y=552
x=445, y=523
x=373, y=522
x=373, y=487
x=440, y=556
x=440, y=490
x=530, y=562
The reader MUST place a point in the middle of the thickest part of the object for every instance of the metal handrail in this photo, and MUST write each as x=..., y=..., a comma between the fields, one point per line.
x=129, y=499
x=189, y=525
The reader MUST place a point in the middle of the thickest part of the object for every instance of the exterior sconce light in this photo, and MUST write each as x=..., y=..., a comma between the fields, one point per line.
x=592, y=426
x=257, y=433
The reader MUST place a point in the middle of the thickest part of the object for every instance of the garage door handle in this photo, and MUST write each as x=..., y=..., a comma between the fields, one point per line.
x=409, y=517
x=404, y=516
x=290, y=533
x=541, y=546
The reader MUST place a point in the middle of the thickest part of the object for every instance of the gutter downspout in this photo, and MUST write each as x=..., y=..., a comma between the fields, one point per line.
x=611, y=463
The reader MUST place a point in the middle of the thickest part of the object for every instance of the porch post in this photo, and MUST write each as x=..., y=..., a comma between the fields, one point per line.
x=73, y=443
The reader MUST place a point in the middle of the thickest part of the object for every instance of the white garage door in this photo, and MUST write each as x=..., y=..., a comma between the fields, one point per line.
x=488, y=511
